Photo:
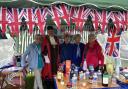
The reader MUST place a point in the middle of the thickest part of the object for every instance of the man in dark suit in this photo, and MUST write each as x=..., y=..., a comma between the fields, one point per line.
x=78, y=48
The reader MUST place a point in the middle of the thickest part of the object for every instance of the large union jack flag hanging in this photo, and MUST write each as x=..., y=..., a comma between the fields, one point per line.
x=113, y=43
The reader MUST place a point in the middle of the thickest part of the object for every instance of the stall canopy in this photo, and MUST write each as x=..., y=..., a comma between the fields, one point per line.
x=26, y=16
x=98, y=3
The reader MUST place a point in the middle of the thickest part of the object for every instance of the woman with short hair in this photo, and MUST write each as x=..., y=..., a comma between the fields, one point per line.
x=93, y=53
x=78, y=48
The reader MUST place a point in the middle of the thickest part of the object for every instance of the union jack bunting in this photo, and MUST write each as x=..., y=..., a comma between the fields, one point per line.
x=56, y=13
x=71, y=12
x=41, y=14
x=123, y=19
x=114, y=16
x=101, y=18
x=113, y=43
x=65, y=13
x=94, y=18
x=3, y=19
x=78, y=18
x=12, y=18
x=30, y=19
x=22, y=13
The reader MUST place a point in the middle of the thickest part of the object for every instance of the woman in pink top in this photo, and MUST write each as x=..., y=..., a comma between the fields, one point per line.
x=93, y=53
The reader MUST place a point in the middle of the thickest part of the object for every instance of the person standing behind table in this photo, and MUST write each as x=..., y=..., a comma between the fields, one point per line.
x=93, y=53
x=50, y=50
x=66, y=49
x=35, y=60
x=78, y=49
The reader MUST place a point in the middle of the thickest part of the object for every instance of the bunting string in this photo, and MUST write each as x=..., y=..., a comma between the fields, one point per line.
x=16, y=18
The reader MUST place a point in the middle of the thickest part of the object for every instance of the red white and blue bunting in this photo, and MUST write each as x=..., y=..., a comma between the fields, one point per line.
x=13, y=17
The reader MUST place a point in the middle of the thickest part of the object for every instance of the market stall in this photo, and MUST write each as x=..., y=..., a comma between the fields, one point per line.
x=107, y=19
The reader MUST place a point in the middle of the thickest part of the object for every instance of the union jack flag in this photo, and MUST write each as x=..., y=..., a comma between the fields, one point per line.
x=3, y=19
x=22, y=13
x=71, y=12
x=40, y=18
x=56, y=13
x=65, y=13
x=12, y=18
x=113, y=43
x=78, y=18
x=122, y=19
x=102, y=19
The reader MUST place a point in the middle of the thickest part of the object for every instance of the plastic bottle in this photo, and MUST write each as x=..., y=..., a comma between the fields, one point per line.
x=95, y=78
x=99, y=74
x=84, y=75
x=71, y=75
x=91, y=68
x=76, y=71
x=74, y=81
x=87, y=74
x=117, y=67
x=113, y=80
x=30, y=71
x=81, y=75
x=85, y=66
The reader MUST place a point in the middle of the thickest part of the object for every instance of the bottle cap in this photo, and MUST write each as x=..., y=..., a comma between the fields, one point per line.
x=99, y=71
x=74, y=75
x=95, y=74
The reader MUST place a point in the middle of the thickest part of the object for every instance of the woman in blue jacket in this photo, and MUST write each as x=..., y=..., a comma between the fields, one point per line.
x=33, y=57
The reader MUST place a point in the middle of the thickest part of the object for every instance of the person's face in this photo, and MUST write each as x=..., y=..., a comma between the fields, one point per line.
x=38, y=40
x=78, y=39
x=51, y=32
x=66, y=39
x=91, y=39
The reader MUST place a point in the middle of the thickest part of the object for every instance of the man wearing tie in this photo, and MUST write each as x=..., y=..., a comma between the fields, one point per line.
x=78, y=49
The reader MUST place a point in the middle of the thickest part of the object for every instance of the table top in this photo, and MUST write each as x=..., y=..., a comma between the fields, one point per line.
x=12, y=69
x=84, y=84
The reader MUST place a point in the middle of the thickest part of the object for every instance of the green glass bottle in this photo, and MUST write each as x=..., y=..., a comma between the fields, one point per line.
x=105, y=77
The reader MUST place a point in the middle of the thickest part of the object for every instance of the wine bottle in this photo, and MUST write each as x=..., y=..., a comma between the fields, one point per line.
x=105, y=77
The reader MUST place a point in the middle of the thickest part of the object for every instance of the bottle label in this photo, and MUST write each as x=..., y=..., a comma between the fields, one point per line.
x=74, y=80
x=91, y=67
x=105, y=79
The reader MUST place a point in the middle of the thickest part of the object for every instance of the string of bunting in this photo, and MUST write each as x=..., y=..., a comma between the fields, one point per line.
x=84, y=18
